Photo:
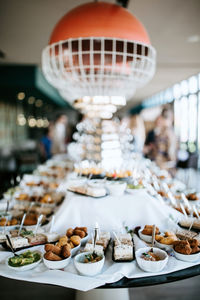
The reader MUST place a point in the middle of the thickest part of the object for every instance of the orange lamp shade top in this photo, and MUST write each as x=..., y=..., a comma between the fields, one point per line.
x=99, y=19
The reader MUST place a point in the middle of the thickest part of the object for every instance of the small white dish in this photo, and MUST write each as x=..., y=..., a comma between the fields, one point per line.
x=187, y=258
x=88, y=269
x=26, y=267
x=145, y=237
x=84, y=240
x=96, y=183
x=151, y=266
x=75, y=250
x=58, y=264
x=116, y=188
x=163, y=246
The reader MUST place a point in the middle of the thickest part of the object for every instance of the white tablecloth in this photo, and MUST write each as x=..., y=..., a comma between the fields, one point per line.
x=112, y=213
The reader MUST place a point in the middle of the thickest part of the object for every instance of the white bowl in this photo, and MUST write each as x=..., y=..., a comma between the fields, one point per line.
x=58, y=264
x=163, y=246
x=116, y=188
x=96, y=183
x=188, y=258
x=145, y=237
x=88, y=269
x=151, y=266
x=75, y=250
x=26, y=267
x=84, y=240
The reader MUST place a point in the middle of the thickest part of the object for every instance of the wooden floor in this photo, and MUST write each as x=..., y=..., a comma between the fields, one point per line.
x=188, y=289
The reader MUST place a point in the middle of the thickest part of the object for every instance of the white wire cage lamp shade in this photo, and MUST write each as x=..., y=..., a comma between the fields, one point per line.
x=98, y=49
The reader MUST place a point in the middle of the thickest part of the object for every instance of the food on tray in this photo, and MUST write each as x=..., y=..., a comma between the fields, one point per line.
x=52, y=237
x=18, y=242
x=119, y=174
x=76, y=240
x=26, y=258
x=88, y=190
x=150, y=256
x=89, y=247
x=123, y=248
x=168, y=238
x=37, y=239
x=195, y=223
x=135, y=187
x=52, y=256
x=180, y=210
x=66, y=250
x=148, y=230
x=5, y=222
x=2, y=237
x=192, y=196
x=62, y=241
x=53, y=248
x=187, y=247
x=23, y=197
x=60, y=251
x=103, y=240
x=123, y=252
x=92, y=258
x=185, y=234
x=46, y=199
x=163, y=194
x=80, y=231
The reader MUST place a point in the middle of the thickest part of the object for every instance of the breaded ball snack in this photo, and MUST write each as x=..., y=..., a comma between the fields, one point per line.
x=75, y=239
x=52, y=256
x=52, y=248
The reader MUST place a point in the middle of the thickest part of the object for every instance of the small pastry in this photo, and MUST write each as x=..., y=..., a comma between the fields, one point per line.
x=52, y=256
x=53, y=248
x=82, y=229
x=79, y=233
x=62, y=241
x=66, y=251
x=70, y=232
x=75, y=239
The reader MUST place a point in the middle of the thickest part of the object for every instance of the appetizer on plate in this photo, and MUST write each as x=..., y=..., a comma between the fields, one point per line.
x=146, y=233
x=24, y=261
x=187, y=250
x=123, y=248
x=151, y=259
x=57, y=256
x=103, y=240
x=165, y=240
x=89, y=263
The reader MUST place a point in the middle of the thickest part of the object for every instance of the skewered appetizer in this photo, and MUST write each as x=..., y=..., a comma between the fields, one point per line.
x=123, y=248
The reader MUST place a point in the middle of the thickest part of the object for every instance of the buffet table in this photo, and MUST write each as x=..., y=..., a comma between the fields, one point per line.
x=111, y=213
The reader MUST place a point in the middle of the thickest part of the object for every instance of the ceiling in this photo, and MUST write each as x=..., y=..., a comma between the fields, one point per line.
x=25, y=27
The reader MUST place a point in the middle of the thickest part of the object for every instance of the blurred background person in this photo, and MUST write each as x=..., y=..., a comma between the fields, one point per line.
x=46, y=143
x=59, y=134
x=161, y=142
x=138, y=131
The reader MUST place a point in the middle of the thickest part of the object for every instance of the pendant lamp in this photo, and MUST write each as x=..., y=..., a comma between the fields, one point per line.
x=98, y=49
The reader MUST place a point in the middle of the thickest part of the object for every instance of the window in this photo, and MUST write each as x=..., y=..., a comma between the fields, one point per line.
x=185, y=97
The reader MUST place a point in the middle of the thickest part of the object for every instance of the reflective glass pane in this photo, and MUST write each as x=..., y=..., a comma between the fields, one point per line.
x=184, y=87
x=177, y=116
x=193, y=84
x=184, y=120
x=177, y=90
x=192, y=118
